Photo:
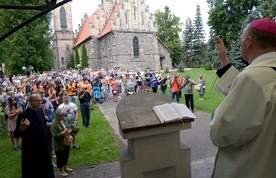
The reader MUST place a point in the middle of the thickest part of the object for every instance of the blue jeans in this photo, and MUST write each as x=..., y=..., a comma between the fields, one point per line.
x=175, y=94
x=73, y=99
x=163, y=92
x=85, y=113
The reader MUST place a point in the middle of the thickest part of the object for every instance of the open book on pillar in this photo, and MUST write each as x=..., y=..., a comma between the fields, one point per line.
x=170, y=112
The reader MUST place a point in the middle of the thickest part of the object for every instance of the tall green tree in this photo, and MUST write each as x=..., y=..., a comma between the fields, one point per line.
x=266, y=9
x=226, y=17
x=169, y=27
x=198, y=47
x=198, y=33
x=212, y=52
x=84, y=60
x=77, y=57
x=72, y=61
x=187, y=42
x=31, y=45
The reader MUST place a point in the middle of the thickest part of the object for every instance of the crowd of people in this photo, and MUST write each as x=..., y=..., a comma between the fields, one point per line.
x=177, y=85
x=89, y=86
x=42, y=108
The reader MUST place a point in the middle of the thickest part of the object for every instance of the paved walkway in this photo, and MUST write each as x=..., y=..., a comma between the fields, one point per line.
x=197, y=138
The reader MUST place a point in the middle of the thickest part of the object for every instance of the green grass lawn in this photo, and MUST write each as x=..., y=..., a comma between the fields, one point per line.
x=98, y=144
x=211, y=98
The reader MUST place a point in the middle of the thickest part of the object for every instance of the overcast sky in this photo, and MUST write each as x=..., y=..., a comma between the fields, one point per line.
x=180, y=8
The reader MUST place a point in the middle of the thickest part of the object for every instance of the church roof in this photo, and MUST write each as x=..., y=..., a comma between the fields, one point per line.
x=111, y=19
x=84, y=33
x=85, y=30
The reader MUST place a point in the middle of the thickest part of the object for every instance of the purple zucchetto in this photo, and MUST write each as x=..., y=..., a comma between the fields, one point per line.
x=267, y=25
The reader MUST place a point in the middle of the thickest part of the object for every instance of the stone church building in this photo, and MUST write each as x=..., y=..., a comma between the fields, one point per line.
x=63, y=41
x=120, y=33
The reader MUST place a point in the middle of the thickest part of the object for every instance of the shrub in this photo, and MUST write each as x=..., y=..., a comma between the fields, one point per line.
x=167, y=70
x=180, y=68
x=208, y=66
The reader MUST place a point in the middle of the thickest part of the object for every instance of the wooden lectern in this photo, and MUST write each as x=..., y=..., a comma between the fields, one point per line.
x=154, y=149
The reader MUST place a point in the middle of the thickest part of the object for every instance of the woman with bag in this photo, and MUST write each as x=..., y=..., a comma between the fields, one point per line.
x=201, y=87
x=61, y=134
x=71, y=110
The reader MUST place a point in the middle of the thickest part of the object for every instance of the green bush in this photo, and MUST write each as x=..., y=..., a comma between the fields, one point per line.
x=208, y=66
x=167, y=70
x=180, y=68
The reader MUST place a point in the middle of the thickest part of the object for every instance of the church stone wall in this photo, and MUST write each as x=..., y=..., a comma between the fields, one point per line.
x=167, y=62
x=92, y=47
x=117, y=50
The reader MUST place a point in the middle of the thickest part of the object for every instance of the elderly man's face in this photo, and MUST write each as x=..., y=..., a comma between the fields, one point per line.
x=35, y=101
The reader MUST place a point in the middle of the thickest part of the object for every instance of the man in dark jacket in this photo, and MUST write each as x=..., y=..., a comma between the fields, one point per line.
x=85, y=102
x=31, y=126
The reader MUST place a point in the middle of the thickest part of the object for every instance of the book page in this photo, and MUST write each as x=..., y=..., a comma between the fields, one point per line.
x=165, y=112
x=182, y=111
x=224, y=83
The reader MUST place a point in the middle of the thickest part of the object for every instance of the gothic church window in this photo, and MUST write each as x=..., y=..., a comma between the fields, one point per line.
x=136, y=47
x=62, y=61
x=63, y=21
